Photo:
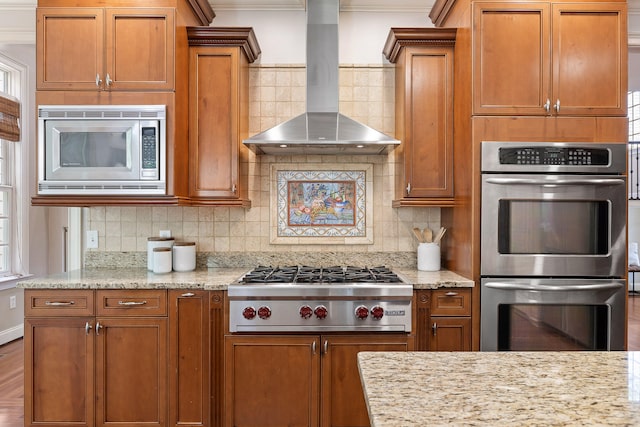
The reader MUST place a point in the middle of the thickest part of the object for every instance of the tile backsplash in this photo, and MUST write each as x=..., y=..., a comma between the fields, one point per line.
x=277, y=93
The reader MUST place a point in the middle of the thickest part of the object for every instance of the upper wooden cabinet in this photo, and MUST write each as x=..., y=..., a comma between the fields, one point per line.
x=219, y=61
x=105, y=49
x=546, y=58
x=424, y=114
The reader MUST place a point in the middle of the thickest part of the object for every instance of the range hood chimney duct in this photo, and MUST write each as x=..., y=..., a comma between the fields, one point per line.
x=322, y=129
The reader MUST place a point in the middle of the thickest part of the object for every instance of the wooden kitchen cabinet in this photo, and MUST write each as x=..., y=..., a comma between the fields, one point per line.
x=443, y=319
x=105, y=49
x=424, y=59
x=544, y=58
x=265, y=374
x=189, y=364
x=219, y=61
x=96, y=364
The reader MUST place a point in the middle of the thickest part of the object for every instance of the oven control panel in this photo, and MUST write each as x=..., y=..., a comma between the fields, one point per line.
x=531, y=155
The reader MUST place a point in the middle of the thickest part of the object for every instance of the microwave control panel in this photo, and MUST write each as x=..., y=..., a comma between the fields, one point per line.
x=149, y=152
x=571, y=156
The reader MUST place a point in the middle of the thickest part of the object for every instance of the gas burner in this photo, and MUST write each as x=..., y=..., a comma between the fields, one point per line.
x=325, y=275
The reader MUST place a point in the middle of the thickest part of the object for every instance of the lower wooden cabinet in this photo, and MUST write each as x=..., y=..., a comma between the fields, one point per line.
x=299, y=380
x=443, y=319
x=96, y=358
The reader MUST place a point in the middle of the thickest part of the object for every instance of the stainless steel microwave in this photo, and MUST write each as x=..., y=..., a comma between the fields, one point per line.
x=102, y=149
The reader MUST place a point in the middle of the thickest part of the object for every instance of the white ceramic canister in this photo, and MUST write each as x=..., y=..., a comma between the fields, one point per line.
x=157, y=242
x=428, y=257
x=162, y=260
x=184, y=256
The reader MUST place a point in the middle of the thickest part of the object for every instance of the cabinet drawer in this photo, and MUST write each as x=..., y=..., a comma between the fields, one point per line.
x=131, y=302
x=58, y=302
x=451, y=302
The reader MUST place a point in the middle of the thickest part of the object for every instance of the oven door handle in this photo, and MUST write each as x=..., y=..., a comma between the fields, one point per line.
x=532, y=181
x=537, y=287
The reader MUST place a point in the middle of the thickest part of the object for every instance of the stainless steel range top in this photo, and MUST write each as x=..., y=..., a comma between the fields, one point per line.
x=299, y=299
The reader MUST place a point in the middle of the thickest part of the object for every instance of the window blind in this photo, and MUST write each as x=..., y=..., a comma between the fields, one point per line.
x=9, y=118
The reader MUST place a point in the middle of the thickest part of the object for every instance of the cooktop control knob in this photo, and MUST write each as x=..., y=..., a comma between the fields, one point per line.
x=249, y=313
x=264, y=312
x=306, y=311
x=362, y=312
x=377, y=312
x=321, y=311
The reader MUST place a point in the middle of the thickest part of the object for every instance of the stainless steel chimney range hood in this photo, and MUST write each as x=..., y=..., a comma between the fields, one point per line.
x=322, y=129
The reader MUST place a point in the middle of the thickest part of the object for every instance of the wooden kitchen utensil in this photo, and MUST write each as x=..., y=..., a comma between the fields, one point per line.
x=439, y=235
x=418, y=234
x=428, y=235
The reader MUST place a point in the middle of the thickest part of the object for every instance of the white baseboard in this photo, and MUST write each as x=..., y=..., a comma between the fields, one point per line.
x=11, y=334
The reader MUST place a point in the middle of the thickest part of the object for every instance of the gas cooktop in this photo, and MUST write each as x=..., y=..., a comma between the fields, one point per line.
x=334, y=274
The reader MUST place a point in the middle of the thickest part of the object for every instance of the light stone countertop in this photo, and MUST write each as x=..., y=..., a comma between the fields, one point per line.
x=501, y=388
x=208, y=279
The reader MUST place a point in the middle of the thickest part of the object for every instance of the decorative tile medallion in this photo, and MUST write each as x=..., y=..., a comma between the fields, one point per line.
x=322, y=203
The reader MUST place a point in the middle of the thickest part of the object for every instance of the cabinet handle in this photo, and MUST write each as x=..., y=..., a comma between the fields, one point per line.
x=108, y=80
x=234, y=188
x=130, y=303
x=434, y=328
x=547, y=105
x=451, y=294
x=98, y=80
x=98, y=327
x=87, y=328
x=557, y=106
x=408, y=188
x=59, y=303
x=313, y=347
x=188, y=294
x=326, y=346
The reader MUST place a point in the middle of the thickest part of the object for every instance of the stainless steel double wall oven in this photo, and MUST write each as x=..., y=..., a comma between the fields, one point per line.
x=553, y=251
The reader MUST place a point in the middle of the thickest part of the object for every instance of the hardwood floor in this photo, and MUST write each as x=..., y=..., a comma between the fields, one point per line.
x=12, y=384
x=12, y=370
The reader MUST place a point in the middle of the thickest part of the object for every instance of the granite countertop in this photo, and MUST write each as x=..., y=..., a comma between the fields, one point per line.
x=208, y=279
x=501, y=388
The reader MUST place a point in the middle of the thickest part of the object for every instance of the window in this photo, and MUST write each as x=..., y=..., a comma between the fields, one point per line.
x=634, y=115
x=11, y=219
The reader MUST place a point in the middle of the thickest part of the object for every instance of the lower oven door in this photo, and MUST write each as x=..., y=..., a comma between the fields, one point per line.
x=552, y=314
x=553, y=225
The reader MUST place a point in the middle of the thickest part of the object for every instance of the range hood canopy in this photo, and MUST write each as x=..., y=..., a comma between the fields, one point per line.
x=322, y=129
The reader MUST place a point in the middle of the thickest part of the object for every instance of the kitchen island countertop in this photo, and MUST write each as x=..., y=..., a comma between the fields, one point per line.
x=501, y=388
x=208, y=279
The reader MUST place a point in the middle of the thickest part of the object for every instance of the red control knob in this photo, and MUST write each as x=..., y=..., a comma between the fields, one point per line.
x=306, y=311
x=264, y=312
x=362, y=312
x=249, y=313
x=321, y=312
x=377, y=312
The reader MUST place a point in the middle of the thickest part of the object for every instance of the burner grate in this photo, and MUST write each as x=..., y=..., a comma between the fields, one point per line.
x=333, y=274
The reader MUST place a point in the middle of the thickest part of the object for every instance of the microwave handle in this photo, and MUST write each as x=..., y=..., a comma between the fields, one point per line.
x=524, y=181
x=536, y=287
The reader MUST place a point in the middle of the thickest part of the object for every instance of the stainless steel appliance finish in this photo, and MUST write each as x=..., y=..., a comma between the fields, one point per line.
x=551, y=222
x=552, y=314
x=102, y=149
x=322, y=130
x=553, y=251
x=310, y=299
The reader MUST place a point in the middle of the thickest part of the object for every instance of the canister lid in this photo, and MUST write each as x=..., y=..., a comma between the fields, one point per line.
x=162, y=249
x=184, y=244
x=160, y=239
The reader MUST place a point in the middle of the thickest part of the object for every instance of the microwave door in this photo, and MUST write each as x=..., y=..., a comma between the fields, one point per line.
x=79, y=151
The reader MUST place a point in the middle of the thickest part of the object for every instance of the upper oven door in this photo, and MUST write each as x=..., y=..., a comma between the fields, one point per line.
x=553, y=225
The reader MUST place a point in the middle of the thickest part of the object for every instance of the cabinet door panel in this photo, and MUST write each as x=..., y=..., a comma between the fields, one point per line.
x=213, y=137
x=428, y=159
x=272, y=381
x=70, y=48
x=140, y=48
x=343, y=402
x=450, y=334
x=587, y=73
x=511, y=58
x=59, y=372
x=131, y=372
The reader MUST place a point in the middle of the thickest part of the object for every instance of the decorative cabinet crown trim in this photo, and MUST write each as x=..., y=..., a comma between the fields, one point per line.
x=243, y=37
x=402, y=37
